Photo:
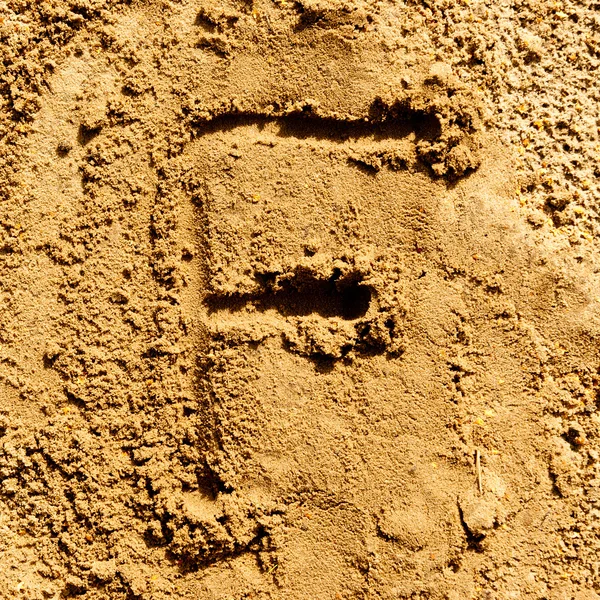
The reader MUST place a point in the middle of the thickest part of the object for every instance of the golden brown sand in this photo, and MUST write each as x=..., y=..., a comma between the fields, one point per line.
x=299, y=300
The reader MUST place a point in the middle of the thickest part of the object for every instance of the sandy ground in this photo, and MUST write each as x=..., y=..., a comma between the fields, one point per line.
x=299, y=300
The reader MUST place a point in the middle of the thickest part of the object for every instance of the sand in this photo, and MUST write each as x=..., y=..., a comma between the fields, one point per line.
x=299, y=300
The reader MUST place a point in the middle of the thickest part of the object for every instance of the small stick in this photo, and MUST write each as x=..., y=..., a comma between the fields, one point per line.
x=478, y=468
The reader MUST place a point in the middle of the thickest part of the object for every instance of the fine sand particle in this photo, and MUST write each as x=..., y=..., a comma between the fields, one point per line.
x=299, y=300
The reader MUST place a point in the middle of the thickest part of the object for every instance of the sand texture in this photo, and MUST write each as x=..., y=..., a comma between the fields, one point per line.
x=299, y=300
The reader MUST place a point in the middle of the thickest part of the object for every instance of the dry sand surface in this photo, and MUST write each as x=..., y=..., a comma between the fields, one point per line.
x=299, y=300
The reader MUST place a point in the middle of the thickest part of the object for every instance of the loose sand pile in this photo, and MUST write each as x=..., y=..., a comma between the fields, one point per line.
x=299, y=300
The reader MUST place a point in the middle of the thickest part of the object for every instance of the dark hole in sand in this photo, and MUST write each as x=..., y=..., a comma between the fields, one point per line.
x=326, y=298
